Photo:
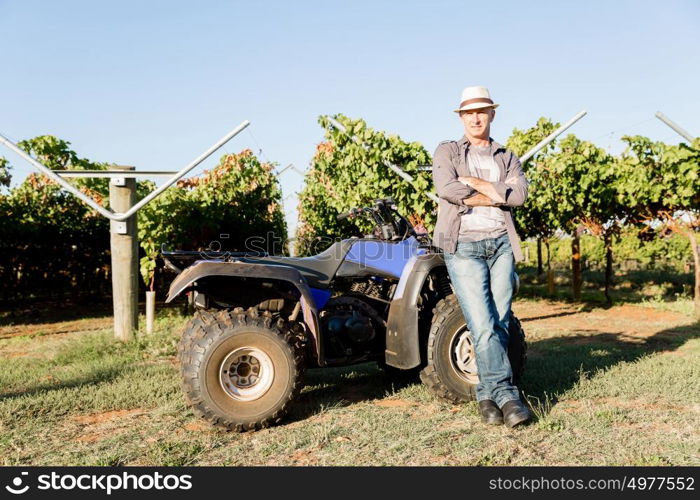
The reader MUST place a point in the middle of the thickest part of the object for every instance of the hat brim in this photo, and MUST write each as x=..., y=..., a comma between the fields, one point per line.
x=476, y=105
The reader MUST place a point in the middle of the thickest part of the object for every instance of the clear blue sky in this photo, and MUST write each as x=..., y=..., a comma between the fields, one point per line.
x=154, y=83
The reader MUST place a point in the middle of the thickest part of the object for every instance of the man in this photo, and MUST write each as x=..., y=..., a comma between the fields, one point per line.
x=478, y=181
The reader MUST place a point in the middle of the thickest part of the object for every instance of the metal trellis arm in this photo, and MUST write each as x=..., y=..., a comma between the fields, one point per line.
x=120, y=217
x=677, y=128
x=404, y=175
x=551, y=137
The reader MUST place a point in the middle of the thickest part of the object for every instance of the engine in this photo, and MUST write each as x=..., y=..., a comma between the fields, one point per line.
x=352, y=329
x=351, y=325
x=371, y=289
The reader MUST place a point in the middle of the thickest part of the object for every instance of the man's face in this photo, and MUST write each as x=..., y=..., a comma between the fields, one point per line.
x=477, y=122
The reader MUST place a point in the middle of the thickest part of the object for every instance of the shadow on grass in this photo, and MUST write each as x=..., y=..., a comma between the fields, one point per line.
x=65, y=310
x=557, y=364
x=547, y=316
x=53, y=312
x=338, y=387
x=97, y=376
x=554, y=366
x=590, y=298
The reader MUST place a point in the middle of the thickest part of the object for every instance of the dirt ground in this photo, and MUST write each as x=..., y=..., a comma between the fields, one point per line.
x=629, y=323
x=540, y=319
x=60, y=327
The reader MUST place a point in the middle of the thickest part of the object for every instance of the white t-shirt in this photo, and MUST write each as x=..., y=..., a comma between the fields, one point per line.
x=482, y=222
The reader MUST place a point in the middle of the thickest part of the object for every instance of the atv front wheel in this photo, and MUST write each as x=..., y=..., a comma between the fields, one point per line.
x=451, y=371
x=239, y=370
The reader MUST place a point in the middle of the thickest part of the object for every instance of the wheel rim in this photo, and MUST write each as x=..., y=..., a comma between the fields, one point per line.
x=463, y=356
x=246, y=374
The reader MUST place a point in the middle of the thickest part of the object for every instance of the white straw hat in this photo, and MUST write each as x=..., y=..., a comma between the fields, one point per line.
x=475, y=98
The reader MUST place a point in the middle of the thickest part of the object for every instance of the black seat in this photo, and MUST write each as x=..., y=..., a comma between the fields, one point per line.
x=317, y=269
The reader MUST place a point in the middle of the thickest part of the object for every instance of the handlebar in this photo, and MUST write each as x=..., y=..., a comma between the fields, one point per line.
x=390, y=224
x=352, y=213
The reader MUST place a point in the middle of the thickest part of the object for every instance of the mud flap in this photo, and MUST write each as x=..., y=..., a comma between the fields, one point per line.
x=402, y=334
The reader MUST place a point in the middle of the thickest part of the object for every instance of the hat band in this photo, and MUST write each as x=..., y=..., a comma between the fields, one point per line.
x=475, y=100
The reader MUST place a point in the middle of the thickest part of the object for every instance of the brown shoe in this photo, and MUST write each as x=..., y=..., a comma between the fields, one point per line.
x=490, y=412
x=515, y=413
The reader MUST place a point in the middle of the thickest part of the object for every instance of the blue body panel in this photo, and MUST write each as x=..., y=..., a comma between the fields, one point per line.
x=390, y=258
x=320, y=297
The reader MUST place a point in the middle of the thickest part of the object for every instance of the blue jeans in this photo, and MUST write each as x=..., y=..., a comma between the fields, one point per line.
x=482, y=276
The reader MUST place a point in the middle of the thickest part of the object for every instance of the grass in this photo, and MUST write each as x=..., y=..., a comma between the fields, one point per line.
x=607, y=387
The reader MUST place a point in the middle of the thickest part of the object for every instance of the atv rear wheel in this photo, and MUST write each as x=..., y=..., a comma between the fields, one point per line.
x=451, y=371
x=239, y=370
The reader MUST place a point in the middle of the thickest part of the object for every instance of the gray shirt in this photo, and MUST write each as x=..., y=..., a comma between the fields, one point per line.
x=480, y=223
x=449, y=163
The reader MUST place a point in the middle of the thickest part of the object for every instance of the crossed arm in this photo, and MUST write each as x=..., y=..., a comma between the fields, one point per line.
x=485, y=196
x=473, y=192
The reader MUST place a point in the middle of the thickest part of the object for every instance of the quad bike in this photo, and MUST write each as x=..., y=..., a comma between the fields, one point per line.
x=260, y=320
